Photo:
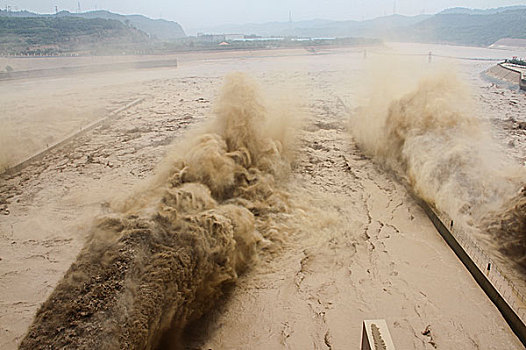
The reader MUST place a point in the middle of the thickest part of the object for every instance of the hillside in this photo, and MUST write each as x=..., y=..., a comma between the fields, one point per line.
x=455, y=26
x=157, y=28
x=25, y=32
x=468, y=11
x=52, y=35
x=322, y=28
x=508, y=43
x=466, y=29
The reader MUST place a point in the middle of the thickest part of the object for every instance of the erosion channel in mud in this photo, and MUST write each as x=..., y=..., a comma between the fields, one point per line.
x=163, y=256
x=432, y=139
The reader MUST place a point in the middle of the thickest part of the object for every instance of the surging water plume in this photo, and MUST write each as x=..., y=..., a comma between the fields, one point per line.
x=509, y=226
x=6, y=150
x=164, y=257
x=431, y=138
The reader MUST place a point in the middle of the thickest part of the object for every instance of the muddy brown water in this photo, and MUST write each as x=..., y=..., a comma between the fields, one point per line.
x=356, y=246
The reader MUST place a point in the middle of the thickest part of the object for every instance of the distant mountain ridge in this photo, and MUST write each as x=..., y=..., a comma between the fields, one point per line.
x=156, y=28
x=459, y=25
x=454, y=26
x=318, y=27
x=468, y=11
x=469, y=29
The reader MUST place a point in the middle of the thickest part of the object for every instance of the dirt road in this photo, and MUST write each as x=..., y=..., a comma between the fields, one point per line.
x=357, y=246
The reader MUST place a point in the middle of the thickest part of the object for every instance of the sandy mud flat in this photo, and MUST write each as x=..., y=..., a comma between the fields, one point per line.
x=356, y=246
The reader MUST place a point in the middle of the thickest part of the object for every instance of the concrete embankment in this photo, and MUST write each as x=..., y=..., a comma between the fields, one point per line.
x=503, y=293
x=508, y=73
x=40, y=73
x=41, y=154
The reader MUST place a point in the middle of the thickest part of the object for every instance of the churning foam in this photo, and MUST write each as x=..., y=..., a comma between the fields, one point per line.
x=432, y=139
x=164, y=256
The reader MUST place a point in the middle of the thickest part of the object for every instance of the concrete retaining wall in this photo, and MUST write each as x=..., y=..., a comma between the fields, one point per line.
x=502, y=73
x=40, y=155
x=41, y=73
x=500, y=291
x=508, y=74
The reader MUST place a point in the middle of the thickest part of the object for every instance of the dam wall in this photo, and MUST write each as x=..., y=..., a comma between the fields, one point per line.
x=509, y=73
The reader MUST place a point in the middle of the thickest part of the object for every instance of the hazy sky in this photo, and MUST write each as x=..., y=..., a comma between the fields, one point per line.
x=193, y=14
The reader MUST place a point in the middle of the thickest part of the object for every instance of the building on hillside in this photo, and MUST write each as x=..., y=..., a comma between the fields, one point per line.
x=210, y=38
x=233, y=37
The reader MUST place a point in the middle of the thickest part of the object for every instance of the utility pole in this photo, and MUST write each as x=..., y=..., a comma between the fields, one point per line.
x=394, y=7
x=78, y=8
x=56, y=10
x=290, y=16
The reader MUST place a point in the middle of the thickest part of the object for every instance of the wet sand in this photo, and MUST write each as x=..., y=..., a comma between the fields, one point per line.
x=359, y=246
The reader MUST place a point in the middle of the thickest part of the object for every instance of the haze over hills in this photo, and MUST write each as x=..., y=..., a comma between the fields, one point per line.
x=320, y=27
x=468, y=11
x=455, y=26
x=157, y=28
x=26, y=32
x=469, y=29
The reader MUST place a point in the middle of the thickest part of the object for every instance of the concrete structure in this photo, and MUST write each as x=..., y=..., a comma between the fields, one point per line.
x=376, y=336
x=233, y=37
x=509, y=43
x=96, y=68
x=502, y=292
x=520, y=70
x=509, y=73
x=41, y=154
x=210, y=38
